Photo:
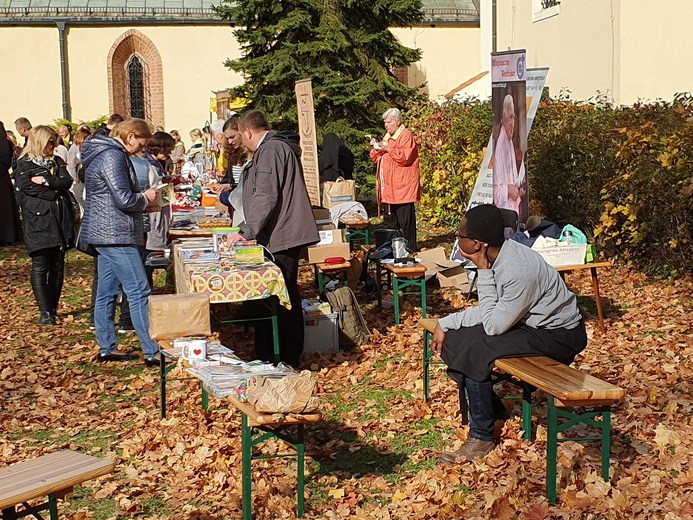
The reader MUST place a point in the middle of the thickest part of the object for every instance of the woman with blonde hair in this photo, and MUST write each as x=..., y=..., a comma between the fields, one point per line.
x=114, y=226
x=48, y=217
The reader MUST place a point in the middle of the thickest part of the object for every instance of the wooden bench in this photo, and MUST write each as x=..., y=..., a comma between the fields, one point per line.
x=272, y=426
x=566, y=387
x=402, y=278
x=53, y=475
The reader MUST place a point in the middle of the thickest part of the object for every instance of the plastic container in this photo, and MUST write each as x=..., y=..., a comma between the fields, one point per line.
x=321, y=334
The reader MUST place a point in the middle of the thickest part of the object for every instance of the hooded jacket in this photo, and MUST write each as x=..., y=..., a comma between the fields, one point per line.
x=114, y=203
x=275, y=200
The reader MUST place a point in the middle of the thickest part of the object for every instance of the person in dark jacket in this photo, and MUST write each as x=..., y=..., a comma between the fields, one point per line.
x=105, y=128
x=278, y=215
x=336, y=160
x=113, y=224
x=10, y=225
x=48, y=217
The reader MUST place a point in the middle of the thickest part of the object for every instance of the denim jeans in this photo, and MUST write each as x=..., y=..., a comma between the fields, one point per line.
x=122, y=265
x=481, y=416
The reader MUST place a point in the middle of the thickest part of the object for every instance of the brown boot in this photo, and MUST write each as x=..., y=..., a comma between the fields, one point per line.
x=470, y=450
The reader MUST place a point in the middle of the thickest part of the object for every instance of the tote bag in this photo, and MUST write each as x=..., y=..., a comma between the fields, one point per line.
x=338, y=192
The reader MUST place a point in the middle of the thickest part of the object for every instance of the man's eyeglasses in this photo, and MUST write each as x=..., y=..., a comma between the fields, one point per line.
x=458, y=236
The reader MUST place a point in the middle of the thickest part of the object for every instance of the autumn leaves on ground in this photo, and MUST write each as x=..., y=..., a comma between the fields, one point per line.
x=373, y=457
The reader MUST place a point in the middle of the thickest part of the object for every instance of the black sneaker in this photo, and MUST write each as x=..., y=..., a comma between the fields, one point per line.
x=126, y=329
x=153, y=361
x=114, y=355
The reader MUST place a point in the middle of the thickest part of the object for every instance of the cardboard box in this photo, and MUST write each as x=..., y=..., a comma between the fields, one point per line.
x=332, y=236
x=323, y=227
x=321, y=333
x=448, y=272
x=321, y=214
x=176, y=315
x=318, y=254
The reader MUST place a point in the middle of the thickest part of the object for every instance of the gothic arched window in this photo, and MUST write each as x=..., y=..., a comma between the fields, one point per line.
x=136, y=87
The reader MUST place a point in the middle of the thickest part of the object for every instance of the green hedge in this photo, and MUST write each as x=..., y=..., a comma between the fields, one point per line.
x=618, y=173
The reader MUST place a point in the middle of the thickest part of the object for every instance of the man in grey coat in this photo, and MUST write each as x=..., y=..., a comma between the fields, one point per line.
x=278, y=215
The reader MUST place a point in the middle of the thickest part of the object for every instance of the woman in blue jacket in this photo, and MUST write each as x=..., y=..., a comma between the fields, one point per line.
x=113, y=224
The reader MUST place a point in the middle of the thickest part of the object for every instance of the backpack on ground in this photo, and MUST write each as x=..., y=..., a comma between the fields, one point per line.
x=353, y=329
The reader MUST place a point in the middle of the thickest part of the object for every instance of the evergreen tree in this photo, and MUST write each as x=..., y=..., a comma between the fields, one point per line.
x=344, y=46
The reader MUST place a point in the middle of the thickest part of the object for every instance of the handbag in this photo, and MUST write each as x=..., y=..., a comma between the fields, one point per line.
x=338, y=192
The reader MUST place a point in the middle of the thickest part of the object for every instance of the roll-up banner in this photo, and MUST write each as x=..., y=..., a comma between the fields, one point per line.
x=516, y=93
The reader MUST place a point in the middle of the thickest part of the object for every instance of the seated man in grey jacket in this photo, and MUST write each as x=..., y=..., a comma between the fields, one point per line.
x=278, y=215
x=525, y=309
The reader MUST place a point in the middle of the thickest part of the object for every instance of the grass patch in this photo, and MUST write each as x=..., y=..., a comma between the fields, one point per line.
x=102, y=509
x=156, y=506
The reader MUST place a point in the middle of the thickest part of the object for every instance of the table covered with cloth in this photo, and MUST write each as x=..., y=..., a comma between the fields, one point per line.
x=226, y=281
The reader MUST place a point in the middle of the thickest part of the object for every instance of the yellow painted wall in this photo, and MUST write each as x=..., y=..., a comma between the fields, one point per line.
x=192, y=68
x=658, y=39
x=450, y=57
x=581, y=45
x=30, y=84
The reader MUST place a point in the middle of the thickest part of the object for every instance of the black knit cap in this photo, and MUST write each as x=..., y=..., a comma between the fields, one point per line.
x=485, y=224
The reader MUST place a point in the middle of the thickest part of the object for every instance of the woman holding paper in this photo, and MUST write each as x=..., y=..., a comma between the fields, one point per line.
x=113, y=225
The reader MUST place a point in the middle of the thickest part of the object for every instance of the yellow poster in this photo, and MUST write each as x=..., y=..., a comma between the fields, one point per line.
x=309, y=145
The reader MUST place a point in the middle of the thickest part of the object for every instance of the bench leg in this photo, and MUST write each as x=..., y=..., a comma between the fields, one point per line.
x=426, y=359
x=606, y=443
x=551, y=450
x=300, y=470
x=205, y=396
x=162, y=376
x=247, y=449
x=395, y=294
x=527, y=412
x=422, y=284
x=9, y=513
x=53, y=506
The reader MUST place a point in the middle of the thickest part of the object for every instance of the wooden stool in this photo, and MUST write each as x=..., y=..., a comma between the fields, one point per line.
x=408, y=276
x=357, y=230
x=331, y=271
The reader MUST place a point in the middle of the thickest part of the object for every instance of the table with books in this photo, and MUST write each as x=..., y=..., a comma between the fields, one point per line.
x=227, y=377
x=231, y=277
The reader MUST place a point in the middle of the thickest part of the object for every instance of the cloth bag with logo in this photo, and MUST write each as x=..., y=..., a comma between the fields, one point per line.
x=338, y=192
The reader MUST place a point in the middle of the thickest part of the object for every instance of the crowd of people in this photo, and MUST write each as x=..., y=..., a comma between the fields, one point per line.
x=524, y=306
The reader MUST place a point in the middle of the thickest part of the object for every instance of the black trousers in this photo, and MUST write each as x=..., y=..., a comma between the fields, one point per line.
x=47, y=272
x=290, y=321
x=402, y=216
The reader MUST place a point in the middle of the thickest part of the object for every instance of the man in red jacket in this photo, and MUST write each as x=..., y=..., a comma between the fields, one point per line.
x=398, y=186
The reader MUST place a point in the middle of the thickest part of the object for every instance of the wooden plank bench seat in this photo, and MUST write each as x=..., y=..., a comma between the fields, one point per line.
x=53, y=475
x=566, y=387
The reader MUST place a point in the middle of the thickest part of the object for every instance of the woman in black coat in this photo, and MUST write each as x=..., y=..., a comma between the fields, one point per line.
x=48, y=217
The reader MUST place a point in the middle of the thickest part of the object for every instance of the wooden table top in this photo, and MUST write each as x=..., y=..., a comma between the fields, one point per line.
x=583, y=266
x=47, y=475
x=326, y=268
x=267, y=419
x=410, y=270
